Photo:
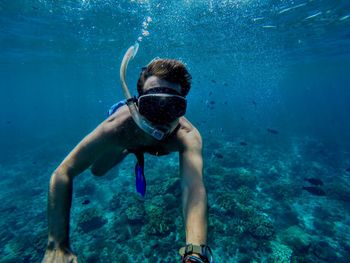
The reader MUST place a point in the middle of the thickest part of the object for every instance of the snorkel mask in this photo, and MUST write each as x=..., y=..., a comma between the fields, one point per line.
x=156, y=110
x=162, y=105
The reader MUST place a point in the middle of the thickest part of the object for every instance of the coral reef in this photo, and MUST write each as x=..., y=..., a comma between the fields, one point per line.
x=280, y=253
x=135, y=214
x=244, y=195
x=87, y=189
x=90, y=219
x=324, y=251
x=159, y=222
x=226, y=202
x=260, y=227
x=240, y=176
x=339, y=191
x=282, y=190
x=297, y=239
x=257, y=212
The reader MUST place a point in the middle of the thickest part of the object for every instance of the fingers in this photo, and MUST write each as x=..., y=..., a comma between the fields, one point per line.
x=74, y=259
x=59, y=257
x=47, y=257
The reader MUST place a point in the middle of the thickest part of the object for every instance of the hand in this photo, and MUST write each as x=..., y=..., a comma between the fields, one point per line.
x=59, y=255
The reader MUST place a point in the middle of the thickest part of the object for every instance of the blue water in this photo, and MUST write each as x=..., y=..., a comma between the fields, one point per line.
x=256, y=65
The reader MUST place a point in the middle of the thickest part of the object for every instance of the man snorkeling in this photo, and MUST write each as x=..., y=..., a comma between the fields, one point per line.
x=152, y=123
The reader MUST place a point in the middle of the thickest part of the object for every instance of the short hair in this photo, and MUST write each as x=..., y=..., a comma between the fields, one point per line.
x=171, y=70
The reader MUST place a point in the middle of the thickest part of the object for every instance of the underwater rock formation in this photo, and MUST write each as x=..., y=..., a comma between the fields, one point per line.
x=90, y=220
x=323, y=251
x=297, y=239
x=261, y=228
x=159, y=221
x=284, y=190
x=226, y=202
x=88, y=188
x=339, y=191
x=135, y=214
x=240, y=177
x=115, y=203
x=244, y=195
x=172, y=185
x=280, y=253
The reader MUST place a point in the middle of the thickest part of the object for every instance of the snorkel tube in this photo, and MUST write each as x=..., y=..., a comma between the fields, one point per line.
x=140, y=121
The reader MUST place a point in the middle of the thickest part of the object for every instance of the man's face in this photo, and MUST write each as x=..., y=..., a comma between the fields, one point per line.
x=153, y=82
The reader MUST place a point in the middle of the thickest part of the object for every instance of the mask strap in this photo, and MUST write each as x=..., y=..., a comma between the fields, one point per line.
x=164, y=90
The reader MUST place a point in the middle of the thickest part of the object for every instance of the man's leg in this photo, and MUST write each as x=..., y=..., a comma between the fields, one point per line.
x=107, y=161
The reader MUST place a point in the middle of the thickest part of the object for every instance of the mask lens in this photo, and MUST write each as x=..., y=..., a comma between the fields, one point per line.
x=162, y=108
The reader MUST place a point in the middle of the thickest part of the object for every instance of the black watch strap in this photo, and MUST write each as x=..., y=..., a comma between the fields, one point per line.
x=203, y=251
x=194, y=259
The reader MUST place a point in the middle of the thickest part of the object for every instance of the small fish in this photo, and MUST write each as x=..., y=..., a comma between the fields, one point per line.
x=314, y=190
x=212, y=102
x=225, y=84
x=218, y=155
x=213, y=81
x=210, y=93
x=225, y=102
x=243, y=143
x=272, y=131
x=347, y=170
x=314, y=181
x=254, y=103
x=86, y=202
x=35, y=8
x=9, y=122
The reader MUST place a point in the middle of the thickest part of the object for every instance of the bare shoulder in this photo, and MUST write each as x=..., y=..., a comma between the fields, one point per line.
x=188, y=136
x=118, y=124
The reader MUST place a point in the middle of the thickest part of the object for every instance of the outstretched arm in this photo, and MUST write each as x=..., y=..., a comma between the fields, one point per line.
x=60, y=189
x=194, y=197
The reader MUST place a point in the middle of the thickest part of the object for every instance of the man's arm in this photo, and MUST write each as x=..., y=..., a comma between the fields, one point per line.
x=60, y=190
x=194, y=197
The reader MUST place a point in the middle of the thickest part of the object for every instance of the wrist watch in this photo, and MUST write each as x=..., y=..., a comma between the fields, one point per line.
x=203, y=251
